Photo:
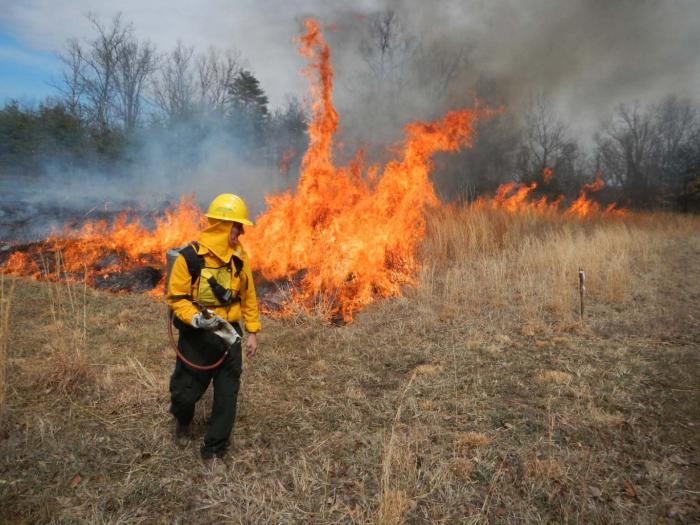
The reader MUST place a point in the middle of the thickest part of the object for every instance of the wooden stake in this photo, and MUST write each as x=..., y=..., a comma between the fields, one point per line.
x=582, y=288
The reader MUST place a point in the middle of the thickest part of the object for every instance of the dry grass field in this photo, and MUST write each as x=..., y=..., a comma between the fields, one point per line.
x=479, y=397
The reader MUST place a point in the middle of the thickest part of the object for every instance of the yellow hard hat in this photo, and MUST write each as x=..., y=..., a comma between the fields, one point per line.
x=229, y=207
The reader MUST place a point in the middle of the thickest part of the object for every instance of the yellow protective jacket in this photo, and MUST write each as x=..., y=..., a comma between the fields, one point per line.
x=216, y=251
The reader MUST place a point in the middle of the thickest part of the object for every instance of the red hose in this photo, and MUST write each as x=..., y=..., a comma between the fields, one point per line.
x=182, y=357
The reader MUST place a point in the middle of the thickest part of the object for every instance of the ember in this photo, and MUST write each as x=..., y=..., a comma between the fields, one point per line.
x=284, y=163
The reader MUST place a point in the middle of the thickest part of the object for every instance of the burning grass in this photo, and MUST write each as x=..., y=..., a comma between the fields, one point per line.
x=349, y=235
x=464, y=402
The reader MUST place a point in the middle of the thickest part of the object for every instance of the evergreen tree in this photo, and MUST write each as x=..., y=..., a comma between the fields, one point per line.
x=248, y=107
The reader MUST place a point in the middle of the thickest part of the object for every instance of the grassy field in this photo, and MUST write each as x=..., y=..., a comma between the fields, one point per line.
x=479, y=397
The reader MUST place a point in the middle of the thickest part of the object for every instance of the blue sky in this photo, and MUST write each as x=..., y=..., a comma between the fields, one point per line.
x=25, y=73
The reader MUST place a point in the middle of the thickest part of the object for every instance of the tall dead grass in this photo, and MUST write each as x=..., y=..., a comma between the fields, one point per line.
x=70, y=369
x=526, y=264
x=5, y=305
x=394, y=501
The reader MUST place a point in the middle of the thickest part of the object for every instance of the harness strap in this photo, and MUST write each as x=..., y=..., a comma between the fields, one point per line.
x=179, y=297
x=238, y=264
x=195, y=262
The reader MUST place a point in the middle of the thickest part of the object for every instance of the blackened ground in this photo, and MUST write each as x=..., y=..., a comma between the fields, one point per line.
x=33, y=207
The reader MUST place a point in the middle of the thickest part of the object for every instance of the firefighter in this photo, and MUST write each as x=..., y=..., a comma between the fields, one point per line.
x=212, y=275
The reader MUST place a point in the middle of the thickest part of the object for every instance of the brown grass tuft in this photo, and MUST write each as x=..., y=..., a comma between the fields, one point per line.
x=462, y=468
x=543, y=469
x=553, y=377
x=471, y=440
x=606, y=419
x=67, y=371
x=319, y=367
x=427, y=370
x=393, y=507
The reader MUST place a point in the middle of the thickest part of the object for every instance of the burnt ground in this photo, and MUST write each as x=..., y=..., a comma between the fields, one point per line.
x=32, y=207
x=410, y=414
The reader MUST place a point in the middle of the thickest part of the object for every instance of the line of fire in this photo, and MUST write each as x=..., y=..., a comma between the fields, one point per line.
x=343, y=238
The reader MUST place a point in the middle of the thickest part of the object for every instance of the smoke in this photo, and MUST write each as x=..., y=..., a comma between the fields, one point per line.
x=160, y=168
x=587, y=55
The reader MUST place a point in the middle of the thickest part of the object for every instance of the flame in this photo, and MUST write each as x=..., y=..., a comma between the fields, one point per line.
x=285, y=160
x=100, y=249
x=19, y=263
x=351, y=238
x=516, y=198
x=547, y=174
x=583, y=206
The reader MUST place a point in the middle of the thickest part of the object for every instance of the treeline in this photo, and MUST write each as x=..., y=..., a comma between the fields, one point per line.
x=117, y=97
x=119, y=100
x=648, y=157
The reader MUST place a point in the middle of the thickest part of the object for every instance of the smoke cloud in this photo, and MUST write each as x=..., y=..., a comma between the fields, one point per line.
x=587, y=55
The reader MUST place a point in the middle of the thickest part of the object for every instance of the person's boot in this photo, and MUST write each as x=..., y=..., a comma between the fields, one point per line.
x=183, y=434
x=208, y=455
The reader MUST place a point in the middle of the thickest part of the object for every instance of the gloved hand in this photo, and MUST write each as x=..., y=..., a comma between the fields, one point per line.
x=228, y=333
x=201, y=322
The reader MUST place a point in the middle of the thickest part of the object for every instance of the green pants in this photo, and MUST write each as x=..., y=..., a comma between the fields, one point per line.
x=188, y=385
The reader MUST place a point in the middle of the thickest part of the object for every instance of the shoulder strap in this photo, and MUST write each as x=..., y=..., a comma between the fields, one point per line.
x=194, y=261
x=238, y=264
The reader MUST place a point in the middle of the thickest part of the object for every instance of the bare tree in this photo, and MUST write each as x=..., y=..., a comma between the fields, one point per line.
x=104, y=78
x=216, y=71
x=173, y=87
x=186, y=82
x=136, y=61
x=70, y=84
x=626, y=147
x=436, y=66
x=388, y=48
x=545, y=134
x=676, y=124
x=99, y=68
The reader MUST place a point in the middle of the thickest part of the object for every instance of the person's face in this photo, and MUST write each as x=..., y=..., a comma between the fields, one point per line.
x=236, y=230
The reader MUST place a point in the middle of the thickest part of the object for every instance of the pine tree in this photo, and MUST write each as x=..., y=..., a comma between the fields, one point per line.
x=248, y=107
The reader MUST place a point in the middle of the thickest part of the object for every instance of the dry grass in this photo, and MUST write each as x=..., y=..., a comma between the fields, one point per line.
x=5, y=307
x=478, y=398
x=471, y=440
x=68, y=366
x=555, y=377
x=527, y=265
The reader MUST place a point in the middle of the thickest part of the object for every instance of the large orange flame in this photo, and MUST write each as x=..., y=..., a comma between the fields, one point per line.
x=353, y=238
